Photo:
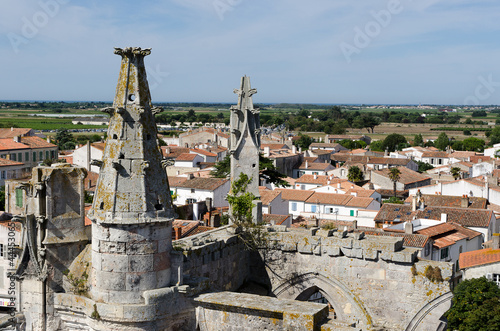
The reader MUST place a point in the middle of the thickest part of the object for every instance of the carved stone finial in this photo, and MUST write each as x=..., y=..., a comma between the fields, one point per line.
x=131, y=51
x=97, y=163
x=108, y=110
x=157, y=110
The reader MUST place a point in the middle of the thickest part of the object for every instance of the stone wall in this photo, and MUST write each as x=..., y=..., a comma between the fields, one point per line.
x=216, y=257
x=369, y=281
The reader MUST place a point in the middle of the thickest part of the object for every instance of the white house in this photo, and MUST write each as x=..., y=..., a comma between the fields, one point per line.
x=188, y=160
x=83, y=155
x=482, y=262
x=313, y=168
x=199, y=189
x=273, y=202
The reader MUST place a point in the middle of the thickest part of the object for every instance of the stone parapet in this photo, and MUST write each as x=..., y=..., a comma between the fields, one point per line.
x=229, y=311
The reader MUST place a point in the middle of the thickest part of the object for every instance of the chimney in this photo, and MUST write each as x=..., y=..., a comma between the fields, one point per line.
x=338, y=185
x=414, y=203
x=495, y=241
x=328, y=182
x=307, y=164
x=294, y=149
x=444, y=217
x=464, y=202
x=267, y=151
x=190, y=176
x=354, y=194
x=408, y=227
x=48, y=140
x=315, y=176
x=355, y=225
x=11, y=128
x=178, y=232
x=90, y=183
x=300, y=150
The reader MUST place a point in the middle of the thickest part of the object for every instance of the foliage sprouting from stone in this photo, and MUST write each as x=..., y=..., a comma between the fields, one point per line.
x=79, y=285
x=433, y=274
x=254, y=236
x=95, y=314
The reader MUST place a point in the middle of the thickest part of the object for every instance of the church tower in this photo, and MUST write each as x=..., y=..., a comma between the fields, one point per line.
x=245, y=142
x=132, y=210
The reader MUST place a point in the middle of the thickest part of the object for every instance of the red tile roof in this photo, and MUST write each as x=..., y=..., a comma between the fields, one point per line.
x=186, y=157
x=295, y=195
x=406, y=176
x=202, y=152
x=390, y=212
x=13, y=132
x=7, y=163
x=450, y=201
x=315, y=166
x=320, y=180
x=479, y=257
x=274, y=219
x=37, y=142
x=202, y=183
x=9, y=144
x=266, y=196
x=329, y=198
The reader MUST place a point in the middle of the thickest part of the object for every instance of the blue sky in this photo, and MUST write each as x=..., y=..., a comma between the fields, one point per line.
x=318, y=51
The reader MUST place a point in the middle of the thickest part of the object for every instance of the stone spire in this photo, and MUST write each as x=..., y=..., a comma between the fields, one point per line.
x=133, y=186
x=245, y=142
x=132, y=210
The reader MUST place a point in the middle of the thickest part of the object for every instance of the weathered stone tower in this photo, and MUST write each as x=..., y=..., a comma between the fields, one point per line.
x=132, y=210
x=245, y=142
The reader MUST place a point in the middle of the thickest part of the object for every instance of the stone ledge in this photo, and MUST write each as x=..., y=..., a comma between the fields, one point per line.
x=295, y=315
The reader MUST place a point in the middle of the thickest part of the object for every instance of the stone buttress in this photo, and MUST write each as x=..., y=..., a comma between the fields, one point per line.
x=245, y=142
x=132, y=209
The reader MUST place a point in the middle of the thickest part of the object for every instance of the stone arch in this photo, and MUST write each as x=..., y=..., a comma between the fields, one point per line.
x=348, y=308
x=428, y=317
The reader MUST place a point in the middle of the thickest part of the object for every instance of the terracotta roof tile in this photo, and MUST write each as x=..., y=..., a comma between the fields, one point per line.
x=266, y=196
x=436, y=154
x=464, y=216
x=202, y=183
x=37, y=142
x=295, y=195
x=451, y=201
x=186, y=157
x=406, y=176
x=315, y=166
x=359, y=202
x=9, y=144
x=7, y=163
x=320, y=180
x=329, y=198
x=13, y=132
x=479, y=257
x=274, y=219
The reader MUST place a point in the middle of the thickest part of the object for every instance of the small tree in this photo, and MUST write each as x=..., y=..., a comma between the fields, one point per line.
x=475, y=306
x=254, y=236
x=394, y=142
x=355, y=174
x=418, y=140
x=304, y=141
x=394, y=175
x=455, y=172
x=64, y=139
x=442, y=141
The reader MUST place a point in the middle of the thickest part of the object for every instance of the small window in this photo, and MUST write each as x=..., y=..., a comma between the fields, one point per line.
x=13, y=157
x=294, y=206
x=34, y=156
x=26, y=156
x=313, y=208
x=190, y=201
x=47, y=155
x=444, y=253
x=41, y=156
x=3, y=174
x=20, y=157
x=1, y=250
x=52, y=155
x=19, y=197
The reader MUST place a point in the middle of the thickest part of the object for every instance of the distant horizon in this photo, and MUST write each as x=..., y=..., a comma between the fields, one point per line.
x=270, y=103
